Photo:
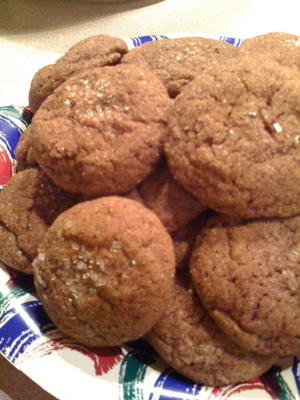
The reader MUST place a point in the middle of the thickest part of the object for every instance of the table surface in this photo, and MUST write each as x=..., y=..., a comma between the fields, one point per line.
x=35, y=32
x=14, y=385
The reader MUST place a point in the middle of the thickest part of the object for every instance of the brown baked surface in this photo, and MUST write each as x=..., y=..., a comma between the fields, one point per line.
x=247, y=275
x=228, y=122
x=98, y=133
x=23, y=152
x=105, y=270
x=191, y=342
x=280, y=46
x=174, y=206
x=234, y=138
x=177, y=61
x=94, y=51
x=29, y=203
x=184, y=239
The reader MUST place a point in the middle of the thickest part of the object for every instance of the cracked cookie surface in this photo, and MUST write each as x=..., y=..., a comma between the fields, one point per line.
x=234, y=140
x=105, y=270
x=191, y=342
x=94, y=51
x=177, y=61
x=101, y=131
x=247, y=275
x=29, y=203
x=280, y=46
x=174, y=206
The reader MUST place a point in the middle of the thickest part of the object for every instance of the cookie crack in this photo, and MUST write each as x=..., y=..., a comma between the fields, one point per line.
x=219, y=315
x=171, y=347
x=7, y=229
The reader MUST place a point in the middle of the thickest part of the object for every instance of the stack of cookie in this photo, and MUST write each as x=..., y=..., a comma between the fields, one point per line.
x=180, y=154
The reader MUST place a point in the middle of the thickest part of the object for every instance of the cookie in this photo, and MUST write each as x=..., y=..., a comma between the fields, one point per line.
x=29, y=203
x=233, y=139
x=134, y=195
x=105, y=270
x=247, y=275
x=184, y=240
x=191, y=343
x=98, y=133
x=280, y=46
x=23, y=152
x=174, y=206
x=94, y=51
x=177, y=61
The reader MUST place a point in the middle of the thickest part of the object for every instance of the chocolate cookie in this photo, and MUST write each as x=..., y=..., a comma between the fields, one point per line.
x=94, y=51
x=280, y=46
x=174, y=206
x=234, y=139
x=101, y=131
x=177, y=61
x=247, y=275
x=105, y=271
x=23, y=153
x=29, y=203
x=191, y=342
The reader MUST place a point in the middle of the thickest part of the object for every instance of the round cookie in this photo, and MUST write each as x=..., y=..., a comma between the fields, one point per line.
x=247, y=275
x=105, y=271
x=191, y=342
x=177, y=61
x=174, y=206
x=233, y=138
x=98, y=133
x=280, y=46
x=23, y=152
x=94, y=51
x=29, y=203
